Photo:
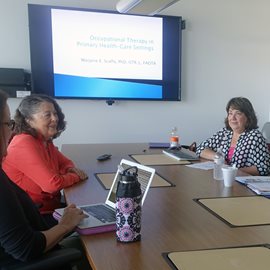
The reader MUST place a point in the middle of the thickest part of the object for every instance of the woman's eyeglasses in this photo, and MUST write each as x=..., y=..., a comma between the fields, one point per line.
x=10, y=124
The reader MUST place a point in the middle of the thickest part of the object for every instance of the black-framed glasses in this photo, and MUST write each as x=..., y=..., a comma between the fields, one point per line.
x=10, y=124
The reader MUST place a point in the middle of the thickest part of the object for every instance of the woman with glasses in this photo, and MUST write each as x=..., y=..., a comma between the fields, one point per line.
x=24, y=235
x=240, y=140
x=32, y=161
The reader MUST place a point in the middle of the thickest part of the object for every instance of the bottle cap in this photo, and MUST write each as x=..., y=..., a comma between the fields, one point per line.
x=128, y=178
x=129, y=175
x=218, y=160
x=174, y=139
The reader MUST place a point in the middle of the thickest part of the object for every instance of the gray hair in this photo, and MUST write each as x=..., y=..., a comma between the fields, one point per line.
x=28, y=107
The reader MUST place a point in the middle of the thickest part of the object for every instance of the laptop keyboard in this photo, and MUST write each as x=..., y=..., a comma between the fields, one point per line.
x=100, y=212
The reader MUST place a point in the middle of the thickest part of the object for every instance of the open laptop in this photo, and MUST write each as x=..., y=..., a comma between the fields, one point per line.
x=181, y=154
x=101, y=217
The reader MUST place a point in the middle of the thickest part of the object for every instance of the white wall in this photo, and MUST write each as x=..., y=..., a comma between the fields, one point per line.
x=225, y=54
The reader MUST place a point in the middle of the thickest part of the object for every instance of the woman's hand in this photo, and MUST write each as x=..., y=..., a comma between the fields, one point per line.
x=71, y=217
x=208, y=154
x=79, y=172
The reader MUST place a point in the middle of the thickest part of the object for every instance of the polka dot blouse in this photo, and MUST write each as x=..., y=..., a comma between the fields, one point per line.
x=251, y=149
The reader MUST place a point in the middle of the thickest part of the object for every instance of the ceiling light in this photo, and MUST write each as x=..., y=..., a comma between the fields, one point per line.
x=143, y=7
x=124, y=6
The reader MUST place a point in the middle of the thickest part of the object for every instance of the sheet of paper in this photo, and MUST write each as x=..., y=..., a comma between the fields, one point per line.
x=252, y=179
x=208, y=165
x=261, y=188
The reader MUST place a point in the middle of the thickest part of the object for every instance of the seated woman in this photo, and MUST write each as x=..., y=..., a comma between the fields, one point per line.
x=240, y=141
x=33, y=162
x=23, y=233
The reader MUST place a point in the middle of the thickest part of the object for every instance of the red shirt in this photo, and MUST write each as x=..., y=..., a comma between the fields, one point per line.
x=39, y=170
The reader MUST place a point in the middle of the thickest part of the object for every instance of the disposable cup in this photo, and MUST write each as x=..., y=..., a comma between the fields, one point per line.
x=229, y=174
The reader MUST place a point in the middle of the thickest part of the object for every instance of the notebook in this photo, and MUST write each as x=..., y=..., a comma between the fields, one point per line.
x=158, y=145
x=181, y=154
x=101, y=217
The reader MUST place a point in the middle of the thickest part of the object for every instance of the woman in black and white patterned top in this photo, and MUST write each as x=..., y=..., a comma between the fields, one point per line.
x=240, y=141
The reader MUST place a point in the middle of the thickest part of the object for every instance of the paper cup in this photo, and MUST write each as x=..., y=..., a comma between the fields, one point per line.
x=229, y=174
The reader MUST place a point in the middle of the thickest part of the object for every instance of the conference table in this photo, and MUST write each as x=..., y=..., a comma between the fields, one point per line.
x=171, y=218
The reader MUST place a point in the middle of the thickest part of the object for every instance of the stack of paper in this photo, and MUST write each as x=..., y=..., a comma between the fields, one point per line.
x=259, y=184
x=252, y=179
x=262, y=188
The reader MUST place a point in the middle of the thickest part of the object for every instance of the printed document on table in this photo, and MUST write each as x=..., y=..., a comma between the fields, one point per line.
x=252, y=179
x=261, y=188
x=208, y=165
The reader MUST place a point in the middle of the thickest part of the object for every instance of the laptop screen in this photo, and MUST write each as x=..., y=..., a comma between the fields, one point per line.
x=145, y=176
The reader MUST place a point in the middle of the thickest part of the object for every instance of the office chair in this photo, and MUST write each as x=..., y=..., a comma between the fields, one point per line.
x=63, y=258
x=191, y=147
x=266, y=133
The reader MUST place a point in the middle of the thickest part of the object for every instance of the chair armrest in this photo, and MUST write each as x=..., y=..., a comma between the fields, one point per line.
x=50, y=260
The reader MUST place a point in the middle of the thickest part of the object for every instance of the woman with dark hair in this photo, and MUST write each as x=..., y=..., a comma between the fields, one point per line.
x=32, y=161
x=24, y=235
x=241, y=142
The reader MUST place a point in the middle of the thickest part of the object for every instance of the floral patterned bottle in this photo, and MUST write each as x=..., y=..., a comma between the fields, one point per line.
x=128, y=206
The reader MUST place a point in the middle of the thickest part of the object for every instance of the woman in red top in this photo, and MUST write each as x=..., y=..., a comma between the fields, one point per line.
x=33, y=162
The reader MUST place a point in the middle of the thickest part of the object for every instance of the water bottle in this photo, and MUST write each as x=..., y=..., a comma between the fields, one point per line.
x=128, y=206
x=174, y=139
x=218, y=164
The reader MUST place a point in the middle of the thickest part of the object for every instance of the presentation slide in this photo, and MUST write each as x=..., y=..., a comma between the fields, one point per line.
x=112, y=46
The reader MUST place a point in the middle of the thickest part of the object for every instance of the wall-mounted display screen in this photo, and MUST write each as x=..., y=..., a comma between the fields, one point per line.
x=79, y=53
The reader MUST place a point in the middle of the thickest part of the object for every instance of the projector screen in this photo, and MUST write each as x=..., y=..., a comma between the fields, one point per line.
x=101, y=55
